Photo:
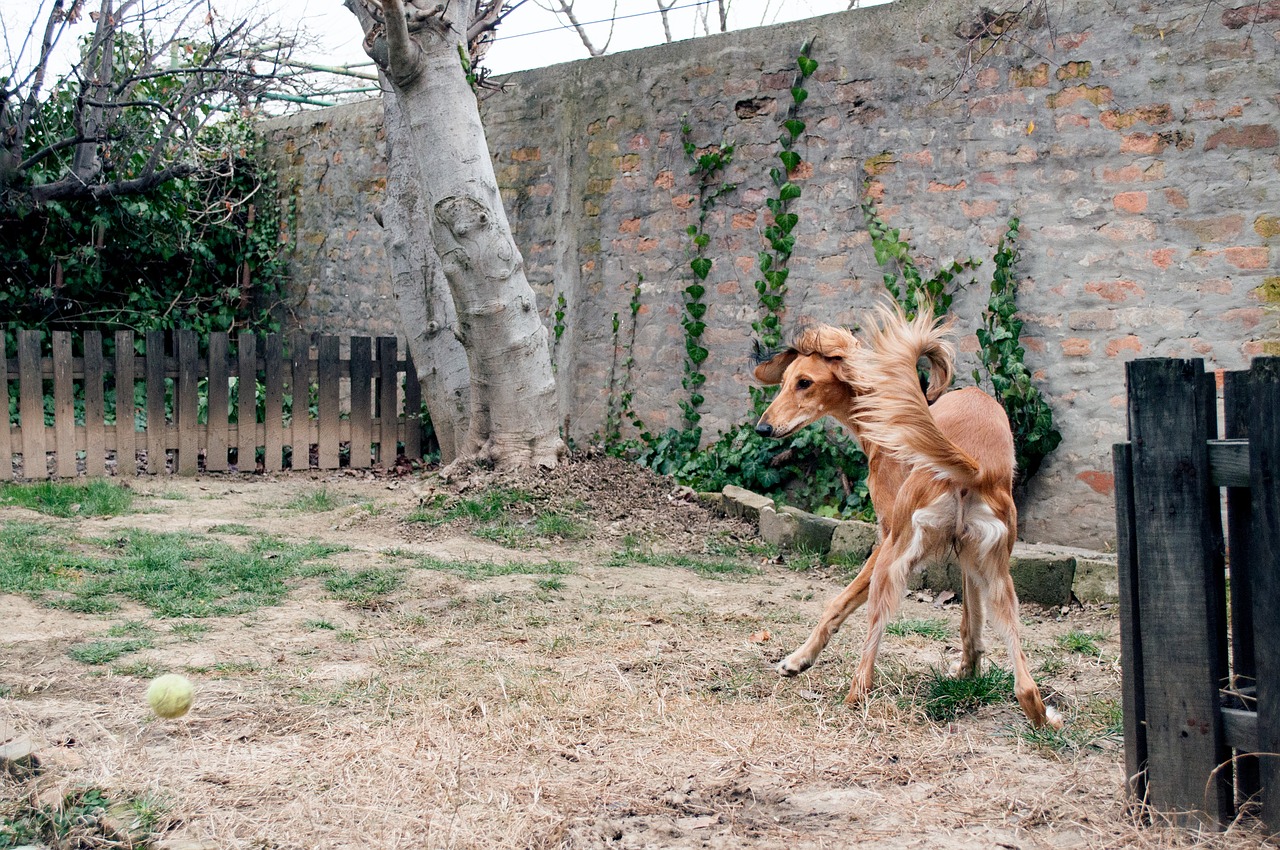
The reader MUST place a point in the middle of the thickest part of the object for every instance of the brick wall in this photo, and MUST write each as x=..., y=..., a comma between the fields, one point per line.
x=1138, y=145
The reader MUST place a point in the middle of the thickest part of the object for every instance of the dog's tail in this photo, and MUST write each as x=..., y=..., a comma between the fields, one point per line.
x=892, y=412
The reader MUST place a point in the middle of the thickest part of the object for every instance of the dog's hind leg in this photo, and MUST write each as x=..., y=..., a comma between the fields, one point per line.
x=970, y=624
x=887, y=586
x=1002, y=602
x=837, y=611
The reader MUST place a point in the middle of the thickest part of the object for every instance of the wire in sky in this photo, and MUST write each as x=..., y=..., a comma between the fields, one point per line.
x=692, y=5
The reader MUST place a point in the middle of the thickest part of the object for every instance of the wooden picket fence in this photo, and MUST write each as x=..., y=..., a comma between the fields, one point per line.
x=1201, y=685
x=358, y=401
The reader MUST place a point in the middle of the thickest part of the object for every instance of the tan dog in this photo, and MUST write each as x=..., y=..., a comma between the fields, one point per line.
x=940, y=477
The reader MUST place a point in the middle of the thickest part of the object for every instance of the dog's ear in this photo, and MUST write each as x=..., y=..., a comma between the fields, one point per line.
x=769, y=368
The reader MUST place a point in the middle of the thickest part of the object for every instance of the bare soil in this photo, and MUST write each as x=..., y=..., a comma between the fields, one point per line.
x=615, y=701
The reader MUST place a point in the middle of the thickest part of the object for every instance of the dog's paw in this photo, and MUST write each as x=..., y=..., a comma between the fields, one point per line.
x=792, y=666
x=1053, y=718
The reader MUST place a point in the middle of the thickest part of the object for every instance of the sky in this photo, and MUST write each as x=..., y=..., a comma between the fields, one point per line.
x=531, y=37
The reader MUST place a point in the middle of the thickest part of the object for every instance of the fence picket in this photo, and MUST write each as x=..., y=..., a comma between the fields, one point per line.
x=247, y=402
x=186, y=404
x=412, y=408
x=273, y=419
x=6, y=441
x=31, y=398
x=361, y=401
x=219, y=404
x=95, y=443
x=157, y=424
x=64, y=408
x=300, y=387
x=328, y=416
x=1132, y=696
x=1264, y=460
x=387, y=400
x=126, y=428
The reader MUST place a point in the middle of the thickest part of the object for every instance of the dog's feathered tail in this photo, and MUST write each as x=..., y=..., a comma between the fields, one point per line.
x=892, y=412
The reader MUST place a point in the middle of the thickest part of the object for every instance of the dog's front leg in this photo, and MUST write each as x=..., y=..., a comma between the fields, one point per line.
x=837, y=611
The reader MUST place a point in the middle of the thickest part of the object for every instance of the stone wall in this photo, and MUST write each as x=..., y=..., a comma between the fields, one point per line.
x=1137, y=143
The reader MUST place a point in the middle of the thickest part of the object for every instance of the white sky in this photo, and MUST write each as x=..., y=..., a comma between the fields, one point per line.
x=531, y=37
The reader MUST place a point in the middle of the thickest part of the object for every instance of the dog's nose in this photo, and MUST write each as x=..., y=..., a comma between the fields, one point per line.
x=764, y=429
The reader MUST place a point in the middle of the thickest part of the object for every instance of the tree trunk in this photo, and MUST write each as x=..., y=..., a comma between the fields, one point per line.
x=513, y=401
x=425, y=307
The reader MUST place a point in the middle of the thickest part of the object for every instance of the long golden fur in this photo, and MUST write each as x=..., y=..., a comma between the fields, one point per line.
x=940, y=477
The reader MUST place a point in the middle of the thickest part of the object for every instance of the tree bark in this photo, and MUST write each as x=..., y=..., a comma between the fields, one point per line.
x=425, y=307
x=513, y=420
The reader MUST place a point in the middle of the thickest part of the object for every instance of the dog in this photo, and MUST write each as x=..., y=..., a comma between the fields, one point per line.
x=940, y=474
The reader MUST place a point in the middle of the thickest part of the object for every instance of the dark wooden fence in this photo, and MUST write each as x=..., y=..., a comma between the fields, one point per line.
x=180, y=407
x=1201, y=657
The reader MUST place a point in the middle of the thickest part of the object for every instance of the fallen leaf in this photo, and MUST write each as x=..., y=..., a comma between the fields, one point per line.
x=761, y=636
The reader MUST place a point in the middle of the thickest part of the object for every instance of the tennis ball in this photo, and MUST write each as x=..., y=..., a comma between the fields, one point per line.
x=170, y=695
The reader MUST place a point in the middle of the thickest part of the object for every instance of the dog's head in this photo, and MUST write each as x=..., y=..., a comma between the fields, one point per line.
x=816, y=377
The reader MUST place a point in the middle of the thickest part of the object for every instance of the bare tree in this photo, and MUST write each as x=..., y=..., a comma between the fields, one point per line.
x=423, y=50
x=129, y=113
x=565, y=7
x=663, y=9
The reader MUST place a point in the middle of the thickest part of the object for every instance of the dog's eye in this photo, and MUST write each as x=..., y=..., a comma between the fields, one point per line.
x=803, y=384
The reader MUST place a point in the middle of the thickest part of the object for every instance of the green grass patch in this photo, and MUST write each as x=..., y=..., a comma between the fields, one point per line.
x=107, y=650
x=1081, y=643
x=97, y=497
x=316, y=501
x=319, y=626
x=933, y=629
x=172, y=574
x=236, y=528
x=947, y=698
x=85, y=817
x=488, y=506
x=703, y=566
x=477, y=570
x=365, y=587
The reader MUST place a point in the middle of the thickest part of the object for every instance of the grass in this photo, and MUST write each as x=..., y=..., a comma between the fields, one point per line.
x=94, y=498
x=316, y=501
x=487, y=507
x=708, y=567
x=476, y=570
x=933, y=629
x=236, y=528
x=108, y=650
x=365, y=588
x=86, y=817
x=172, y=574
x=1082, y=643
x=947, y=698
x=1097, y=723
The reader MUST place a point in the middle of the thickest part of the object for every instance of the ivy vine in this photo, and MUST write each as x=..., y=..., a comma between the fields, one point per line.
x=913, y=290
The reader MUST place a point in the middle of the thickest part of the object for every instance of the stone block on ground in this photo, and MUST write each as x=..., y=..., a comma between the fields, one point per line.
x=18, y=757
x=813, y=532
x=740, y=502
x=1097, y=580
x=777, y=528
x=1042, y=577
x=852, y=541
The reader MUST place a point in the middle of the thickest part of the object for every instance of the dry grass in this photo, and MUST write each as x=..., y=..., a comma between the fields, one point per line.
x=625, y=706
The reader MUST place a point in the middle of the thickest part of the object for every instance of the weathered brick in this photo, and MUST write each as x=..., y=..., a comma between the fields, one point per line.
x=1256, y=257
x=1116, y=290
x=1125, y=343
x=1075, y=346
x=1034, y=77
x=1249, y=137
x=1097, y=95
x=1130, y=202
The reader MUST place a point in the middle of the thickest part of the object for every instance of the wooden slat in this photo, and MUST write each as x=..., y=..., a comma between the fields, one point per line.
x=95, y=419
x=1132, y=697
x=327, y=412
x=157, y=426
x=1235, y=398
x=187, y=402
x=126, y=428
x=215, y=454
x=6, y=441
x=247, y=403
x=1229, y=461
x=64, y=406
x=273, y=418
x=1264, y=554
x=300, y=388
x=31, y=403
x=1241, y=730
x=361, y=400
x=412, y=409
x=1181, y=593
x=387, y=400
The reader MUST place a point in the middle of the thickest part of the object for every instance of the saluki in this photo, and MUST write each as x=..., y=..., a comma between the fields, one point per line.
x=940, y=474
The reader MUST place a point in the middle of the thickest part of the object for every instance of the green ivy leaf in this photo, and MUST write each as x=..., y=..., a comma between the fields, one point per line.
x=788, y=192
x=799, y=94
x=794, y=126
x=807, y=66
x=701, y=267
x=790, y=159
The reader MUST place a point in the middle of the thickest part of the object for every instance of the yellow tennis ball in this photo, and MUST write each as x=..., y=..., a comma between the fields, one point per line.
x=170, y=695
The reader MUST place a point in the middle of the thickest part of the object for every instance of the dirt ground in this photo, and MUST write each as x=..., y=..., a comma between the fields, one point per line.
x=608, y=691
